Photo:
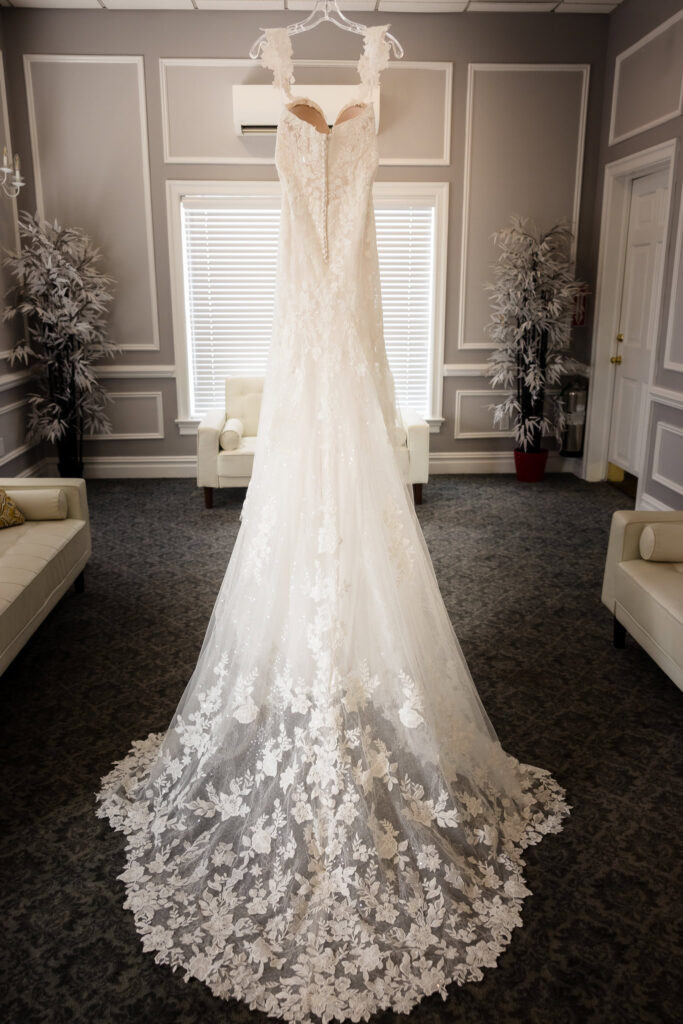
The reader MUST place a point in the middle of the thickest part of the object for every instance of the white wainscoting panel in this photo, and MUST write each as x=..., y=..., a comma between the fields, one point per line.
x=13, y=430
x=648, y=81
x=88, y=126
x=524, y=148
x=197, y=123
x=667, y=462
x=473, y=417
x=135, y=416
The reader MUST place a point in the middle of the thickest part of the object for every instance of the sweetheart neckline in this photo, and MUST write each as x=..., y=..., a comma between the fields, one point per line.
x=308, y=102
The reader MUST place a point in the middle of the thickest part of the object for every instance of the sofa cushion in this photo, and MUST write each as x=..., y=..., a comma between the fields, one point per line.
x=652, y=592
x=35, y=559
x=40, y=503
x=10, y=515
x=662, y=542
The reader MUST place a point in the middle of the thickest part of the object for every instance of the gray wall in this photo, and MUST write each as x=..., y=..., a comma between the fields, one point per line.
x=648, y=88
x=15, y=455
x=519, y=146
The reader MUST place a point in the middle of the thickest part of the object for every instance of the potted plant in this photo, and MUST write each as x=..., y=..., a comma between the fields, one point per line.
x=533, y=299
x=63, y=296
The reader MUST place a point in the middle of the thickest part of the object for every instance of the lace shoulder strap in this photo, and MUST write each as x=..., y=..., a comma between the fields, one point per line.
x=277, y=56
x=374, y=59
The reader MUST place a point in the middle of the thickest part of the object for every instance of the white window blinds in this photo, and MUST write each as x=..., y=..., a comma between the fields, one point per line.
x=229, y=267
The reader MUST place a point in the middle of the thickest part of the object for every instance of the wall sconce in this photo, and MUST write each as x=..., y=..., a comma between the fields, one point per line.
x=11, y=180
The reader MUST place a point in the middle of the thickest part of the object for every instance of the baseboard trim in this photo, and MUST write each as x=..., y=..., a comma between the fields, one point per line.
x=493, y=462
x=122, y=466
x=649, y=504
x=105, y=467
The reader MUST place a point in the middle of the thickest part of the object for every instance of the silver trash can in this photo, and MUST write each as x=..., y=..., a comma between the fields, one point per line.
x=574, y=398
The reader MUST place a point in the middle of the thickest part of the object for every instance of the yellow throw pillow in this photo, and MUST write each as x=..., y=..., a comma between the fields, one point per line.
x=10, y=515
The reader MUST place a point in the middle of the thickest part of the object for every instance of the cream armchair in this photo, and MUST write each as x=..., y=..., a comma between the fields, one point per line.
x=217, y=467
x=643, y=585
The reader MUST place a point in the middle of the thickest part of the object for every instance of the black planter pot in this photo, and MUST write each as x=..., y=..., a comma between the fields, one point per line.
x=69, y=452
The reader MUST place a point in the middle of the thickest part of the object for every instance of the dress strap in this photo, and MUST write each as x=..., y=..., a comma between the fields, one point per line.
x=277, y=56
x=375, y=57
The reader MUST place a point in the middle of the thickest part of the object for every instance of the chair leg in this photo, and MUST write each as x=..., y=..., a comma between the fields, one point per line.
x=208, y=497
x=79, y=582
x=619, y=634
x=417, y=494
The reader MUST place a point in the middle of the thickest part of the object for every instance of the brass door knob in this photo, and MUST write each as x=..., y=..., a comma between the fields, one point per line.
x=615, y=359
x=620, y=337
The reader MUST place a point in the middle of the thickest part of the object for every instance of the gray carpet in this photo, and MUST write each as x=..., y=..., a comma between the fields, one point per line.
x=520, y=567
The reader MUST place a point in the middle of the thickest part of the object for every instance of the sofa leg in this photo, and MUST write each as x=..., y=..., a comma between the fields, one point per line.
x=79, y=582
x=619, y=634
x=208, y=497
x=417, y=494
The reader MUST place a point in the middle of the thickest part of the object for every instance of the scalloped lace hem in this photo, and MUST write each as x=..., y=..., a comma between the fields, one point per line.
x=387, y=974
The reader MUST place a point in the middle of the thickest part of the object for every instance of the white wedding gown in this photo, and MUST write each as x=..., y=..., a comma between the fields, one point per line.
x=330, y=825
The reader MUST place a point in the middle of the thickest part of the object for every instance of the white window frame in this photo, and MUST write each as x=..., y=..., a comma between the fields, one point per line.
x=387, y=192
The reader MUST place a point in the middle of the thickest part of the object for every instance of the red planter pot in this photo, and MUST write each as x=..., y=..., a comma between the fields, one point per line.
x=530, y=466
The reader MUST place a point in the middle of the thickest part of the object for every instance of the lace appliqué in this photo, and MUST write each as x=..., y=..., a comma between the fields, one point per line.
x=375, y=57
x=276, y=55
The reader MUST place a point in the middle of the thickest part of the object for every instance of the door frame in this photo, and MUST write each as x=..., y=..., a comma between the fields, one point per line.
x=616, y=202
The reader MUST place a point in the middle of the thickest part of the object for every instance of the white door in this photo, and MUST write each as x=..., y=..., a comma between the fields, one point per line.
x=639, y=314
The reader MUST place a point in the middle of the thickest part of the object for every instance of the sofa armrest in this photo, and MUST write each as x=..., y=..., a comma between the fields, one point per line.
x=624, y=544
x=208, y=446
x=74, y=487
x=418, y=445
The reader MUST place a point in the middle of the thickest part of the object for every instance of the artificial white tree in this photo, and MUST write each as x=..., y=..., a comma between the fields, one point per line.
x=533, y=300
x=64, y=297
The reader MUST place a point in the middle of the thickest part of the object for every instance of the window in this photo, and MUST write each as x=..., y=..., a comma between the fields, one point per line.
x=227, y=243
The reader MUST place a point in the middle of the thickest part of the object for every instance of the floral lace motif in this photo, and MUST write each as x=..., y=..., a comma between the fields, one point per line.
x=375, y=57
x=276, y=55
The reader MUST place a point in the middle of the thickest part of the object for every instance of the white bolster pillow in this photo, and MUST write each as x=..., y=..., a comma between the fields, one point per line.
x=40, y=502
x=231, y=434
x=662, y=542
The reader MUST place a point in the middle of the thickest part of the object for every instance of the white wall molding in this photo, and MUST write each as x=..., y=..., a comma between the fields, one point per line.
x=16, y=452
x=649, y=504
x=621, y=57
x=659, y=477
x=676, y=282
x=37, y=469
x=135, y=372
x=153, y=344
x=473, y=69
x=459, y=432
x=619, y=175
x=445, y=67
x=465, y=369
x=13, y=406
x=153, y=435
x=14, y=379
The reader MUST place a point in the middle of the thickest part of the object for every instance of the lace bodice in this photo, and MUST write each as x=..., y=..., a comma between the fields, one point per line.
x=327, y=174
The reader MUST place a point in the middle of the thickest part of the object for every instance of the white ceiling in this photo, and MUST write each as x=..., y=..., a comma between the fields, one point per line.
x=408, y=6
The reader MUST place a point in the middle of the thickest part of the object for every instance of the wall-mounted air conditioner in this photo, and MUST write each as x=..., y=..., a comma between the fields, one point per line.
x=256, y=108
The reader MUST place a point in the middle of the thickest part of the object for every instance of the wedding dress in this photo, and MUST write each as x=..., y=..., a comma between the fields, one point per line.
x=330, y=825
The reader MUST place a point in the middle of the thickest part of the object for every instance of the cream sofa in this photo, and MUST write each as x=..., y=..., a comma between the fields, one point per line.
x=219, y=468
x=40, y=559
x=645, y=595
